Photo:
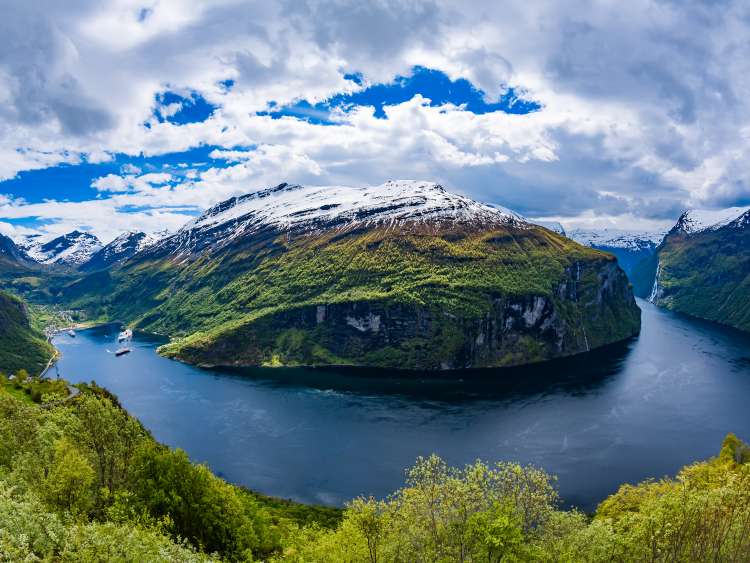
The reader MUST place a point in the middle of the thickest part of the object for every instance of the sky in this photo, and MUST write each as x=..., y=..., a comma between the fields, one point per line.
x=118, y=115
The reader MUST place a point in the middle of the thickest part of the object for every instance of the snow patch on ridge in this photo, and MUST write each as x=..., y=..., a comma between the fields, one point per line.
x=290, y=207
x=697, y=220
x=306, y=209
x=72, y=249
x=616, y=238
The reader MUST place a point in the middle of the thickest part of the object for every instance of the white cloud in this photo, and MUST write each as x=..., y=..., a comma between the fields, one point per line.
x=130, y=182
x=111, y=183
x=644, y=103
x=130, y=169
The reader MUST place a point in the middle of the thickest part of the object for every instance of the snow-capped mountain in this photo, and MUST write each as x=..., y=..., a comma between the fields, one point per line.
x=630, y=247
x=71, y=249
x=11, y=253
x=123, y=247
x=741, y=222
x=698, y=220
x=617, y=238
x=348, y=275
x=294, y=208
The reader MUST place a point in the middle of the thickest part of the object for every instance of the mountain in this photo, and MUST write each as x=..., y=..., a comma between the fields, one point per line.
x=702, y=267
x=120, y=249
x=71, y=249
x=695, y=221
x=630, y=247
x=22, y=346
x=11, y=255
x=402, y=275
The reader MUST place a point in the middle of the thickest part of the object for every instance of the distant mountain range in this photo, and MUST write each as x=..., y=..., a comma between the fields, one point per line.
x=402, y=275
x=120, y=249
x=71, y=249
x=702, y=267
x=80, y=250
x=630, y=247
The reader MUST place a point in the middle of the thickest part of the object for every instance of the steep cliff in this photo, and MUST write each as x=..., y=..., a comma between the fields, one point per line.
x=703, y=270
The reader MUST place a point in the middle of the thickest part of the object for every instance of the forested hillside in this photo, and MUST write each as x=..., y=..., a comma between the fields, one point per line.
x=22, y=345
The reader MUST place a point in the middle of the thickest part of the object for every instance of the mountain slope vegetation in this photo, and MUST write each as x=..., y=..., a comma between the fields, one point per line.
x=23, y=346
x=81, y=480
x=418, y=278
x=703, y=272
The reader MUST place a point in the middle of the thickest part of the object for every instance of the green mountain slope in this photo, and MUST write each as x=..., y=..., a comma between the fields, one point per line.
x=705, y=274
x=22, y=346
x=406, y=296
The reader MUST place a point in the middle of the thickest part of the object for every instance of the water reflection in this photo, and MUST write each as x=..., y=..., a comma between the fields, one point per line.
x=575, y=375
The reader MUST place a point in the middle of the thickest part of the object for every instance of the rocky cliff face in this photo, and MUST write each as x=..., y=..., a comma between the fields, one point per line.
x=590, y=307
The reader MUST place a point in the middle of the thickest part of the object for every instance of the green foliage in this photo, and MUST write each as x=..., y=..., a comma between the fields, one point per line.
x=22, y=345
x=30, y=532
x=478, y=513
x=67, y=486
x=510, y=513
x=201, y=507
x=89, y=483
x=283, y=510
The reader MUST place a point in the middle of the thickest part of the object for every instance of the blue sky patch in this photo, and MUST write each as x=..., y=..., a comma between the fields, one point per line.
x=179, y=110
x=72, y=182
x=227, y=84
x=432, y=84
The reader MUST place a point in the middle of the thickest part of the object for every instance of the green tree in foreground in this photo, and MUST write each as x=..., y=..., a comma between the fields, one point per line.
x=81, y=480
x=506, y=512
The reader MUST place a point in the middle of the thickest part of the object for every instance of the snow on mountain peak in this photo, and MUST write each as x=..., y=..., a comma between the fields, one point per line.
x=73, y=248
x=288, y=206
x=617, y=238
x=301, y=209
x=125, y=246
x=134, y=240
x=697, y=220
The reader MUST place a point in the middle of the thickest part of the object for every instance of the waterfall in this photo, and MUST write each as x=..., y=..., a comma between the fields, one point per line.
x=655, y=290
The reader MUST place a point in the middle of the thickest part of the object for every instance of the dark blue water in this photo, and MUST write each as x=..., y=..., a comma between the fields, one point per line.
x=639, y=410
